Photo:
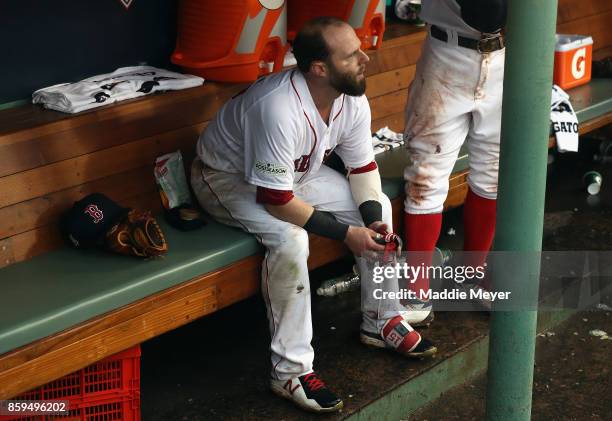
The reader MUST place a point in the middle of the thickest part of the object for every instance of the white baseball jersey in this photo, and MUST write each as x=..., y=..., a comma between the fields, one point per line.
x=274, y=135
x=124, y=83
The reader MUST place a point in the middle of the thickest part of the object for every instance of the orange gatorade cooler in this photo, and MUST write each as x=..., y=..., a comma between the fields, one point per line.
x=573, y=59
x=231, y=40
x=367, y=17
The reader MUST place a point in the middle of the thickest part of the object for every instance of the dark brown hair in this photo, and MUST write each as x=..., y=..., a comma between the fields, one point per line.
x=309, y=44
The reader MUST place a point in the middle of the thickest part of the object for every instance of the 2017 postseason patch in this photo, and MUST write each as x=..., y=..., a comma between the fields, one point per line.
x=269, y=168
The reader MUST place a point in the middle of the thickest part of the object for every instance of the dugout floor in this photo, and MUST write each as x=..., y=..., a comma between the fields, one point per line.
x=217, y=367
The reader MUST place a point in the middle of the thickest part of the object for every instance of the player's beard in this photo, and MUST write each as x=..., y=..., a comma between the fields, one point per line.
x=346, y=83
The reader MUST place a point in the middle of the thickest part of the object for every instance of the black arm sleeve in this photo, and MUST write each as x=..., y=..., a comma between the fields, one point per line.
x=371, y=211
x=324, y=224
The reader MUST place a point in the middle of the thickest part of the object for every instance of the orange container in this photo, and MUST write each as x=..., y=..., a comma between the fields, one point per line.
x=367, y=17
x=573, y=60
x=106, y=390
x=231, y=40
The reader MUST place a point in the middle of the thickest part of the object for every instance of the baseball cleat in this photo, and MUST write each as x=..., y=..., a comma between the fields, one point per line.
x=308, y=392
x=398, y=335
x=423, y=323
x=418, y=313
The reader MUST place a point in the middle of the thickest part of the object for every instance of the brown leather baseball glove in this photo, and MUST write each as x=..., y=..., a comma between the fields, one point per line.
x=138, y=234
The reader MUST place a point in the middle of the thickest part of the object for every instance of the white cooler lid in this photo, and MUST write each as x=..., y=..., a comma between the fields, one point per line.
x=567, y=42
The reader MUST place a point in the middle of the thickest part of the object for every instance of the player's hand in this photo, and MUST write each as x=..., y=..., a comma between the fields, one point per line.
x=379, y=226
x=389, y=237
x=361, y=239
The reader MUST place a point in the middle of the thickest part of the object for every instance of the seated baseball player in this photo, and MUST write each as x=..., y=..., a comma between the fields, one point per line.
x=260, y=168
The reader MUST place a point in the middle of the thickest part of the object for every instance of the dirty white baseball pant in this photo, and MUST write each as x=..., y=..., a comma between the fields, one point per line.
x=285, y=284
x=456, y=95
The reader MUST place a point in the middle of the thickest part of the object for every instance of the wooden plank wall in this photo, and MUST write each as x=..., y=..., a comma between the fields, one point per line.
x=390, y=72
x=588, y=17
x=49, y=160
x=591, y=17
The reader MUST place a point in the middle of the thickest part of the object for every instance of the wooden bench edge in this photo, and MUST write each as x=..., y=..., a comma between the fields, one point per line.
x=52, y=357
x=79, y=346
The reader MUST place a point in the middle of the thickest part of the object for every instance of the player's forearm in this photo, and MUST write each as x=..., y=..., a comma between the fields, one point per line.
x=316, y=222
x=295, y=211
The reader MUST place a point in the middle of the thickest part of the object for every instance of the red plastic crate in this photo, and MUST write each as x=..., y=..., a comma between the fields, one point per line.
x=116, y=409
x=104, y=391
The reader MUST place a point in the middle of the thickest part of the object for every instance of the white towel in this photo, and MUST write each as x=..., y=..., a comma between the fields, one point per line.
x=123, y=83
x=564, y=121
x=386, y=139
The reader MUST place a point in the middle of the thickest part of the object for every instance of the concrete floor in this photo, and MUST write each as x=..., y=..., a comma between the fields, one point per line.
x=201, y=372
x=572, y=377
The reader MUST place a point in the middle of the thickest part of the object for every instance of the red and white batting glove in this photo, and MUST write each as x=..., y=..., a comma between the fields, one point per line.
x=392, y=242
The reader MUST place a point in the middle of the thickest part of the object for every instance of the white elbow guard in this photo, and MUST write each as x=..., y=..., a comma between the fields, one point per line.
x=367, y=193
x=366, y=186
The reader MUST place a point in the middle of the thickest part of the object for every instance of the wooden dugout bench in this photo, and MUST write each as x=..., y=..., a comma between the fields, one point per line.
x=61, y=309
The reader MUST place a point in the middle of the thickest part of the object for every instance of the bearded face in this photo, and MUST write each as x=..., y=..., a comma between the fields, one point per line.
x=349, y=83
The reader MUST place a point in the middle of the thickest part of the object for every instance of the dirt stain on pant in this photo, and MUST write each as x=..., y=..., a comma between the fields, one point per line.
x=420, y=181
x=416, y=192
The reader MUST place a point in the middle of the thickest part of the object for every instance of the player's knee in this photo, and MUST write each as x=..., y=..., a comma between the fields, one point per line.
x=293, y=245
x=488, y=191
x=484, y=184
x=483, y=176
x=426, y=197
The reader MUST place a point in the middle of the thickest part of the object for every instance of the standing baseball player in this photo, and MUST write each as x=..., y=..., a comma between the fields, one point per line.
x=260, y=168
x=456, y=96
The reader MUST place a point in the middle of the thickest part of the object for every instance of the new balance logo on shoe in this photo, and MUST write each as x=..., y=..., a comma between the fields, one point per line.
x=307, y=391
x=289, y=388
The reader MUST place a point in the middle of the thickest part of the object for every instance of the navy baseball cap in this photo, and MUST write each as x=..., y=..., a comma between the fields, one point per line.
x=89, y=219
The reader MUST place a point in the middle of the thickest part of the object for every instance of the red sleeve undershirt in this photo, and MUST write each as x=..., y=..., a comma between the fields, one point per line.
x=281, y=197
x=366, y=168
x=273, y=197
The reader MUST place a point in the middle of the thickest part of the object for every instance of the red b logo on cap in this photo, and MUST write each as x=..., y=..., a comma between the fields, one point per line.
x=95, y=213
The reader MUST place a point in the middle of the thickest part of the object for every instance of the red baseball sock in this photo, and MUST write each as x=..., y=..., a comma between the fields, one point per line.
x=479, y=225
x=421, y=233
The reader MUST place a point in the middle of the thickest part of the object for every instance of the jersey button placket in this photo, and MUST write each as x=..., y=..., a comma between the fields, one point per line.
x=324, y=145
